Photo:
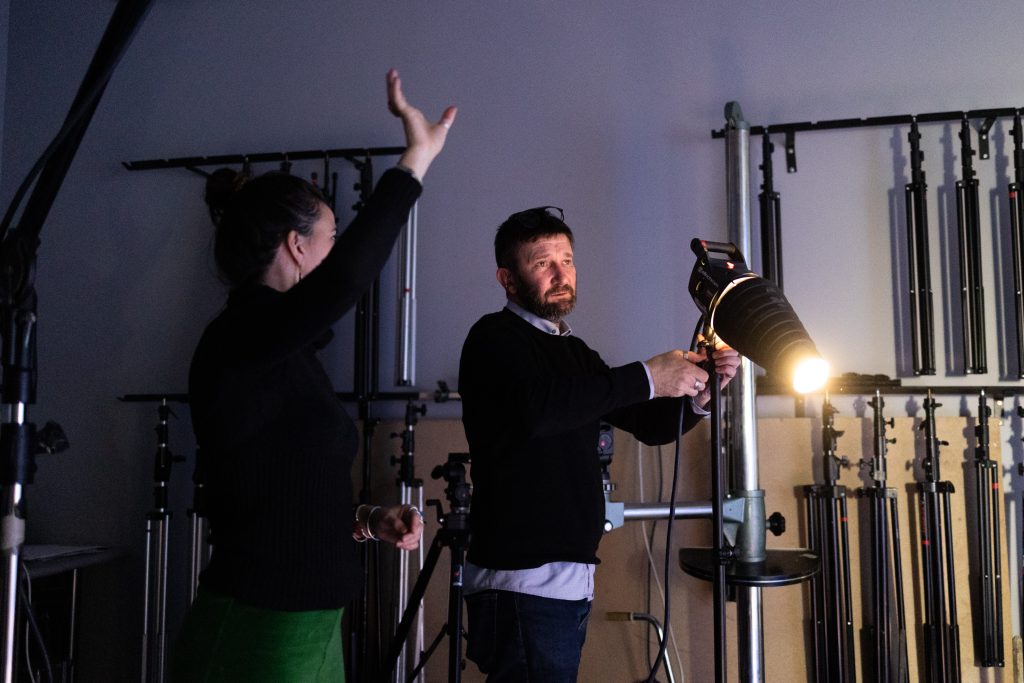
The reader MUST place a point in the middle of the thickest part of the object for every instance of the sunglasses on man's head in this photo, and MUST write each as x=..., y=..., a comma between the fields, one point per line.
x=531, y=218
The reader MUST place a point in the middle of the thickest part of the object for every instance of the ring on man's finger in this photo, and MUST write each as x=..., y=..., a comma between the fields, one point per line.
x=698, y=385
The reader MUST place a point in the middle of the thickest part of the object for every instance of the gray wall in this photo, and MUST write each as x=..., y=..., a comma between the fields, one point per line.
x=603, y=108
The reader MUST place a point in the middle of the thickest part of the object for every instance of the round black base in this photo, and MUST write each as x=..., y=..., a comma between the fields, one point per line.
x=779, y=568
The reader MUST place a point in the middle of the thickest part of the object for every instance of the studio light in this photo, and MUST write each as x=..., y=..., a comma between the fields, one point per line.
x=752, y=315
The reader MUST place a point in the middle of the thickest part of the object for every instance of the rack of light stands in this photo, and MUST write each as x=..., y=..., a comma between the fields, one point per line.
x=942, y=659
x=940, y=630
x=971, y=290
x=368, y=633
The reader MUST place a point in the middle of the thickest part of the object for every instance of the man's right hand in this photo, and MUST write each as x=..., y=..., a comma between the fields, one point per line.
x=678, y=373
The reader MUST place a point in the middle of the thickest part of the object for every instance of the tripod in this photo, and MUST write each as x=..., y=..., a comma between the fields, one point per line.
x=987, y=561
x=154, y=650
x=831, y=603
x=941, y=631
x=454, y=533
x=886, y=638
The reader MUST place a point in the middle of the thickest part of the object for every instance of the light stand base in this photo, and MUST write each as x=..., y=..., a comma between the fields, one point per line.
x=779, y=568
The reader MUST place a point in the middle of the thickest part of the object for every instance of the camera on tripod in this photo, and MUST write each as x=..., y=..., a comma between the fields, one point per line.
x=459, y=491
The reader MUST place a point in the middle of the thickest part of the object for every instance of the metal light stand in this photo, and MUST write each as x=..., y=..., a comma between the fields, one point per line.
x=828, y=534
x=410, y=486
x=988, y=621
x=18, y=462
x=18, y=303
x=405, y=374
x=406, y=356
x=922, y=327
x=972, y=292
x=454, y=533
x=743, y=414
x=1017, y=237
x=739, y=556
x=770, y=203
x=154, y=651
x=887, y=639
x=941, y=631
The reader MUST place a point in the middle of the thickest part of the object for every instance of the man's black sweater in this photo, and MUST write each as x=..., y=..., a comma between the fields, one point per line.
x=276, y=442
x=532, y=404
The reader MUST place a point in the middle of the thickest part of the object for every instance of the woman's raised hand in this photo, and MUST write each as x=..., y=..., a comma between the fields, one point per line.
x=424, y=140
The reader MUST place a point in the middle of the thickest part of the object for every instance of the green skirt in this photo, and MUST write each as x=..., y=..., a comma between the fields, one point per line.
x=223, y=640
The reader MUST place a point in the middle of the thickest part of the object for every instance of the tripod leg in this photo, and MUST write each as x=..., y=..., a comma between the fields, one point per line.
x=834, y=606
x=403, y=587
x=953, y=651
x=455, y=615
x=161, y=593
x=933, y=616
x=816, y=584
x=997, y=563
x=880, y=570
x=147, y=598
x=421, y=557
x=398, y=642
x=901, y=618
x=849, y=664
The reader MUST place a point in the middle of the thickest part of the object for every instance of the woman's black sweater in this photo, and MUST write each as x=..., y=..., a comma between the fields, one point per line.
x=275, y=441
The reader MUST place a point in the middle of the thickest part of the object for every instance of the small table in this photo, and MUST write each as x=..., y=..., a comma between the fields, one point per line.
x=52, y=571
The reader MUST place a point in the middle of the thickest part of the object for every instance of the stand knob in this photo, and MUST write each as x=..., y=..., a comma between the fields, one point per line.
x=777, y=524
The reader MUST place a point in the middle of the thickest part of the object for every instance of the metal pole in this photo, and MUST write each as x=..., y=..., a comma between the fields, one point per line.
x=154, y=636
x=749, y=618
x=405, y=375
x=199, y=524
x=406, y=371
x=13, y=532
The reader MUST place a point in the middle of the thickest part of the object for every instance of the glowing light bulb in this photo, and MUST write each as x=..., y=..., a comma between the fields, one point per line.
x=810, y=374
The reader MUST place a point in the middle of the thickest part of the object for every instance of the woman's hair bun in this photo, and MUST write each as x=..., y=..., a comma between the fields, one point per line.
x=221, y=186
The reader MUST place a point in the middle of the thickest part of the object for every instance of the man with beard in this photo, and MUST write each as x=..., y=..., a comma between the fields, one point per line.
x=533, y=397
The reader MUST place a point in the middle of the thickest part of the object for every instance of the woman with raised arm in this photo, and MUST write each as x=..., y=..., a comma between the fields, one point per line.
x=276, y=442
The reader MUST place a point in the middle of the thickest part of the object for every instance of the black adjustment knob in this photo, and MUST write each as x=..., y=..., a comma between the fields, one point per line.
x=777, y=524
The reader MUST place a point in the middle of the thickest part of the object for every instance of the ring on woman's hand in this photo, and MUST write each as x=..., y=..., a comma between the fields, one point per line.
x=698, y=385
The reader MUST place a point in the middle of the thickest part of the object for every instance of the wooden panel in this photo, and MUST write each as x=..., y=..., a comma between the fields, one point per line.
x=789, y=458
